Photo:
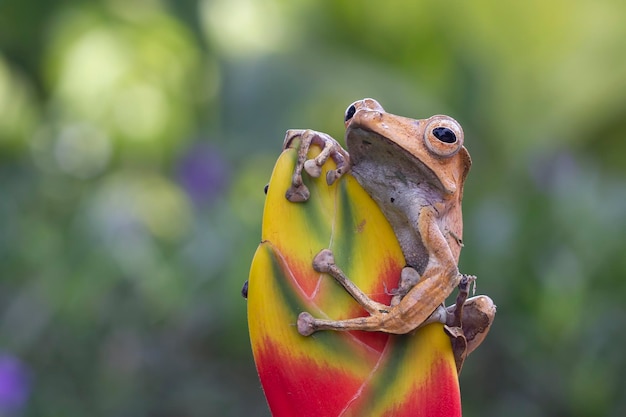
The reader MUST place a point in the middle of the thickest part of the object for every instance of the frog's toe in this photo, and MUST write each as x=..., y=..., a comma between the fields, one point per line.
x=333, y=175
x=298, y=193
x=312, y=168
x=466, y=282
x=306, y=324
x=323, y=261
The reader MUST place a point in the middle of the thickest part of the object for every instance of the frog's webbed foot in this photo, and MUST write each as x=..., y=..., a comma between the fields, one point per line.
x=298, y=192
x=468, y=321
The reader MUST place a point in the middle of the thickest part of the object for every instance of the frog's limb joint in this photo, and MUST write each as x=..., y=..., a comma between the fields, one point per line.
x=409, y=277
x=476, y=317
x=298, y=192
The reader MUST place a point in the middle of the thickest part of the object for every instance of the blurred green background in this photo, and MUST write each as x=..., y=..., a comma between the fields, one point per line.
x=136, y=138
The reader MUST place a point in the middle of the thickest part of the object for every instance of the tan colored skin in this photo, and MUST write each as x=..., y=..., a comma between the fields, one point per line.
x=415, y=171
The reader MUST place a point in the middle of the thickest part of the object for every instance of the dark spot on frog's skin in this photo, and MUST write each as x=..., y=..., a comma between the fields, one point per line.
x=244, y=290
x=267, y=187
x=444, y=134
x=392, y=200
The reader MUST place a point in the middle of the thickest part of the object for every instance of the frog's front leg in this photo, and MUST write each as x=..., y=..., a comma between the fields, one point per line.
x=436, y=284
x=298, y=192
x=382, y=317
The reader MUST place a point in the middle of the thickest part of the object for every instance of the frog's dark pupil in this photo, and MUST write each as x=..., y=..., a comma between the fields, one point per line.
x=444, y=134
x=350, y=112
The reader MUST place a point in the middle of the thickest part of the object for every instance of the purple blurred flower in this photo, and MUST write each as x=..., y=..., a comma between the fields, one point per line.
x=14, y=385
x=203, y=173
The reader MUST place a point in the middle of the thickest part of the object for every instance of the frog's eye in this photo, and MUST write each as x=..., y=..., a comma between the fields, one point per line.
x=443, y=136
x=350, y=112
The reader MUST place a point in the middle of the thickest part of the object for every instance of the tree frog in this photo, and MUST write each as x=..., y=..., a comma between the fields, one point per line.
x=415, y=171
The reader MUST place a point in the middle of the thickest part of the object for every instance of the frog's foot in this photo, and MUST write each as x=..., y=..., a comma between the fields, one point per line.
x=478, y=315
x=298, y=192
x=459, y=346
x=476, y=318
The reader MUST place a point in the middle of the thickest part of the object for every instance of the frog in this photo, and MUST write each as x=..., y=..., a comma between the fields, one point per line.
x=415, y=170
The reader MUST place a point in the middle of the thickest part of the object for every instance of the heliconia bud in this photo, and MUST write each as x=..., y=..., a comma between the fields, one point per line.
x=356, y=374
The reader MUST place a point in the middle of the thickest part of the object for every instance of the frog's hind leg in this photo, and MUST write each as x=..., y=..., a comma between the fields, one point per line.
x=324, y=262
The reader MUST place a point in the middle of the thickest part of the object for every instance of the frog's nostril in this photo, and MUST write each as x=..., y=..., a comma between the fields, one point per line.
x=444, y=134
x=350, y=112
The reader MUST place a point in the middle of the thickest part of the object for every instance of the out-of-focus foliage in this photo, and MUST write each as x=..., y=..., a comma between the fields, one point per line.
x=136, y=138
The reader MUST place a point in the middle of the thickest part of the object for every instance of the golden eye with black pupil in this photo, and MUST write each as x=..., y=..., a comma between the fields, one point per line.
x=443, y=136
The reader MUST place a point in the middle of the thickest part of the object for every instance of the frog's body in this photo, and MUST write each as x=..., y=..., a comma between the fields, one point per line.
x=402, y=183
x=415, y=171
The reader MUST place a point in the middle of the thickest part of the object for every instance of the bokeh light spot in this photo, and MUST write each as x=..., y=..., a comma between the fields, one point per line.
x=240, y=27
x=141, y=112
x=82, y=150
x=17, y=108
x=140, y=202
x=91, y=68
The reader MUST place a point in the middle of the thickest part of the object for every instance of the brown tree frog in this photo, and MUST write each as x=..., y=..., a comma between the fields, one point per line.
x=415, y=171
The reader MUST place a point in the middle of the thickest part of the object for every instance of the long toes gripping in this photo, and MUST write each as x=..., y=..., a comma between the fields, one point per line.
x=466, y=282
x=298, y=192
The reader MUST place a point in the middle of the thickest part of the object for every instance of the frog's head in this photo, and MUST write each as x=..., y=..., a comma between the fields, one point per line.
x=433, y=146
